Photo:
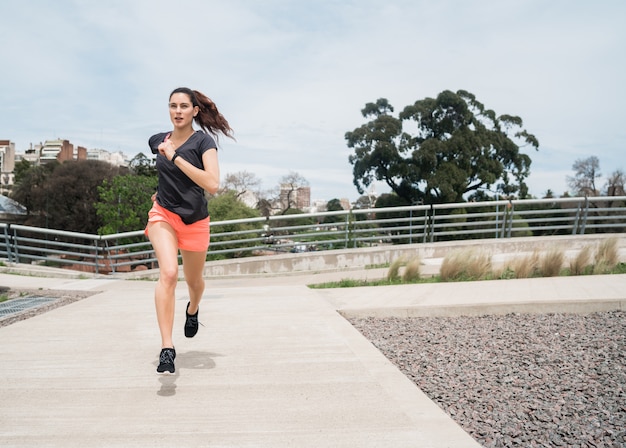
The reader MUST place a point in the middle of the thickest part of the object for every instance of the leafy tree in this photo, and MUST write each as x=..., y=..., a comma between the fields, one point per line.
x=225, y=207
x=142, y=165
x=72, y=191
x=586, y=171
x=457, y=146
x=124, y=203
x=20, y=170
x=62, y=196
x=334, y=205
x=303, y=221
x=29, y=190
x=289, y=186
x=264, y=206
x=364, y=202
x=392, y=200
x=241, y=182
x=615, y=184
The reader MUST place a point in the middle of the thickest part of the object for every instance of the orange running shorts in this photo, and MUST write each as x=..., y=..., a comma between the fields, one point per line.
x=193, y=237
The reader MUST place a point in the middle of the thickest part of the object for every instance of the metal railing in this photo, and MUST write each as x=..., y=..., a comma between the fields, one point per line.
x=326, y=230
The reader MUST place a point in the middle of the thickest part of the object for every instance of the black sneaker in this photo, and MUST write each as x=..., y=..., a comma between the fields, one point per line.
x=166, y=361
x=191, y=323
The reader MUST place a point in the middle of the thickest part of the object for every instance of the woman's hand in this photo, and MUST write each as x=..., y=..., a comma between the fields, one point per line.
x=167, y=148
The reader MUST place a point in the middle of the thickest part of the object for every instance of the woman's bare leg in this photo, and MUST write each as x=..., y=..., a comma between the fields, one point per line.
x=193, y=268
x=165, y=244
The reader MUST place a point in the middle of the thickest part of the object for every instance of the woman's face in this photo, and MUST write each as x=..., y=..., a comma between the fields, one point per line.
x=182, y=110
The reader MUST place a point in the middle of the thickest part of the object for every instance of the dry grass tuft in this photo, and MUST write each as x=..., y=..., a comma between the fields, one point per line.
x=412, y=270
x=465, y=265
x=607, y=256
x=526, y=266
x=479, y=265
x=451, y=266
x=551, y=263
x=580, y=264
x=393, y=274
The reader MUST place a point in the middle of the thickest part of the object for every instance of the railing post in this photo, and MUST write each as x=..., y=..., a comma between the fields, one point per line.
x=511, y=210
x=7, y=241
x=432, y=223
x=585, y=214
x=497, y=215
x=576, y=219
x=15, y=246
x=411, y=226
x=347, y=232
x=96, y=255
x=505, y=219
x=426, y=223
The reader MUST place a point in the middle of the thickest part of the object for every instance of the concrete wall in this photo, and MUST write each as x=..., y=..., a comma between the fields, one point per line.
x=352, y=259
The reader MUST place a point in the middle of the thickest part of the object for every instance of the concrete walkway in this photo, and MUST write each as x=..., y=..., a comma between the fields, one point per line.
x=275, y=364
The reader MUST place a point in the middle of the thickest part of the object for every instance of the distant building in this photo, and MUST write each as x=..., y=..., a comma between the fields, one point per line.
x=114, y=158
x=318, y=205
x=250, y=198
x=61, y=150
x=51, y=150
x=298, y=197
x=7, y=165
x=31, y=155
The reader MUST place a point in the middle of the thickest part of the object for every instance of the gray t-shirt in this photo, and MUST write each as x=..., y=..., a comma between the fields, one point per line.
x=176, y=192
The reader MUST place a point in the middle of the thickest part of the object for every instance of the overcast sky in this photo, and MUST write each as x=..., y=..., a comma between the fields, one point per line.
x=292, y=76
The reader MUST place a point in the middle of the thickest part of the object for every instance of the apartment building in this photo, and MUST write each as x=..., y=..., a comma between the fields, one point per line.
x=61, y=150
x=58, y=149
x=299, y=197
x=114, y=158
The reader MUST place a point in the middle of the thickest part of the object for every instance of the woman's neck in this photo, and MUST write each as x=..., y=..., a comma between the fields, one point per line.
x=181, y=135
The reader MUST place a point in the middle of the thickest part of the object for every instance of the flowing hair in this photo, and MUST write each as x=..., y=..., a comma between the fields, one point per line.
x=209, y=118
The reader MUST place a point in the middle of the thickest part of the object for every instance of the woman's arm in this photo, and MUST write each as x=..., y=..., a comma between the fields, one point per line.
x=207, y=178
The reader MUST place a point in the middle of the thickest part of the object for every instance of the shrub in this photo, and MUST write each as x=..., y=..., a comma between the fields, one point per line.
x=607, y=256
x=465, y=265
x=412, y=270
x=479, y=265
x=394, y=270
x=451, y=267
x=551, y=263
x=579, y=265
x=526, y=266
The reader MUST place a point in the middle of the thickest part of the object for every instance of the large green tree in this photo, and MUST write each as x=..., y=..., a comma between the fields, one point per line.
x=29, y=189
x=21, y=168
x=440, y=149
x=334, y=205
x=62, y=196
x=124, y=203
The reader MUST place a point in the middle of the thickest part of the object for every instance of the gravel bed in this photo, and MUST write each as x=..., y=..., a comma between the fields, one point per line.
x=522, y=380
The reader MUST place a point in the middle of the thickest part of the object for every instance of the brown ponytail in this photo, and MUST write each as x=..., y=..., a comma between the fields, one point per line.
x=209, y=118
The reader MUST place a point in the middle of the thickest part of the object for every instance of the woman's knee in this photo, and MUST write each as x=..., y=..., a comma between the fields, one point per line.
x=196, y=283
x=168, y=276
